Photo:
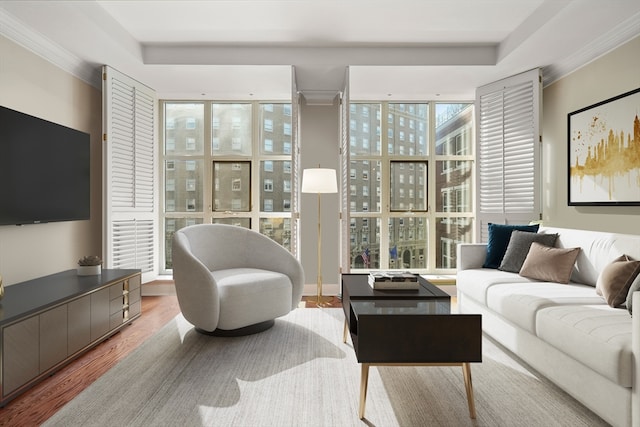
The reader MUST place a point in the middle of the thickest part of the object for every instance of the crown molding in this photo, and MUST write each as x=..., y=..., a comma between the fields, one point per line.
x=16, y=31
x=617, y=36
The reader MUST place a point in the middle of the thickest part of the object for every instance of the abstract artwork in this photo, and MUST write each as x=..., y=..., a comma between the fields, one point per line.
x=604, y=152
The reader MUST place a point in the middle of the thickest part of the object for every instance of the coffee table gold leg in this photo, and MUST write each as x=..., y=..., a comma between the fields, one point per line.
x=364, y=380
x=346, y=329
x=466, y=370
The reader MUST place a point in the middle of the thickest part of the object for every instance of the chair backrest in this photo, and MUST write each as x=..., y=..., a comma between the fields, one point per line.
x=216, y=246
x=221, y=246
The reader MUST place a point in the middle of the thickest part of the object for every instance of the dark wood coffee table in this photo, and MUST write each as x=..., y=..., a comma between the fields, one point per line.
x=408, y=328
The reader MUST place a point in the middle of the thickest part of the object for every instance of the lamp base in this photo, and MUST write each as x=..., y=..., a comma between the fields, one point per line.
x=321, y=301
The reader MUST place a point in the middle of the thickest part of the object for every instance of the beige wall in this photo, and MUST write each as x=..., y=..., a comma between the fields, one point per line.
x=319, y=142
x=612, y=74
x=32, y=85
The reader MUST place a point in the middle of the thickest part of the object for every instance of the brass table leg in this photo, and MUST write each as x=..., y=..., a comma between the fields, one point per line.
x=345, y=332
x=364, y=380
x=466, y=370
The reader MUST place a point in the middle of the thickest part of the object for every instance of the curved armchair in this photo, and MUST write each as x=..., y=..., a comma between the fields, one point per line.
x=233, y=281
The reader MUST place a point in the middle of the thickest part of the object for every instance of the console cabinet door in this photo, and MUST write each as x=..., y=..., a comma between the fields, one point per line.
x=99, y=313
x=53, y=337
x=117, y=304
x=20, y=363
x=79, y=324
x=135, y=305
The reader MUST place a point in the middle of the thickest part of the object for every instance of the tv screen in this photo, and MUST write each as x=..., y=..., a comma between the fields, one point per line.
x=44, y=170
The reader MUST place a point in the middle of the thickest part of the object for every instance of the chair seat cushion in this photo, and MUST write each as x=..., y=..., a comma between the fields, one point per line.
x=250, y=295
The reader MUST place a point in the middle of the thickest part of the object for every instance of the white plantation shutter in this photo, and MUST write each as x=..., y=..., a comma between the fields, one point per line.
x=508, y=151
x=130, y=226
x=345, y=242
x=295, y=162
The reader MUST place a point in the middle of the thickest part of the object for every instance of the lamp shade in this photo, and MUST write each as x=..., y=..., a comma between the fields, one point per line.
x=319, y=180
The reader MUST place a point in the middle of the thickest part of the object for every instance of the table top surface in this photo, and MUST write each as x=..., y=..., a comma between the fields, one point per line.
x=356, y=286
x=29, y=297
x=400, y=307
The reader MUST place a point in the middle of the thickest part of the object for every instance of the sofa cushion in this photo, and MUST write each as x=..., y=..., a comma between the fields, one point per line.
x=598, y=336
x=616, y=279
x=635, y=287
x=519, y=302
x=519, y=246
x=475, y=282
x=549, y=264
x=499, y=236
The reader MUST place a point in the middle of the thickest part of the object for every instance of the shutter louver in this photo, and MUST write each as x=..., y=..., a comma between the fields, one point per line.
x=145, y=169
x=130, y=174
x=295, y=165
x=508, y=151
x=345, y=258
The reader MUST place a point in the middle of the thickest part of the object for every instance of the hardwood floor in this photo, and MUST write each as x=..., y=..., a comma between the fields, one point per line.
x=37, y=404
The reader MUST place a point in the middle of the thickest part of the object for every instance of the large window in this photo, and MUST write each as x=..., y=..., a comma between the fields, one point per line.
x=227, y=163
x=410, y=181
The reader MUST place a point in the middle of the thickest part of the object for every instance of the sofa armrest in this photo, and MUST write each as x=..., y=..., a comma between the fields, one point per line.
x=470, y=255
x=635, y=346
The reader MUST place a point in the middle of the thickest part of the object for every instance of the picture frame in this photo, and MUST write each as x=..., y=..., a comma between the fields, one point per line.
x=604, y=152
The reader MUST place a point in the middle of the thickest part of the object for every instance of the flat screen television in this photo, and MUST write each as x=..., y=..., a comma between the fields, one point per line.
x=44, y=170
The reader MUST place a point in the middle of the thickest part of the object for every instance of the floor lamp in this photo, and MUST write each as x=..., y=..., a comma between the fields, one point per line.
x=319, y=180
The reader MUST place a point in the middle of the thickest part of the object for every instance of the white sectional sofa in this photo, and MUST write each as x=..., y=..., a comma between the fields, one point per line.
x=565, y=331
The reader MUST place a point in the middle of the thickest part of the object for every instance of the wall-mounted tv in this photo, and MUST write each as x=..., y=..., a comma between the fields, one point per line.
x=44, y=170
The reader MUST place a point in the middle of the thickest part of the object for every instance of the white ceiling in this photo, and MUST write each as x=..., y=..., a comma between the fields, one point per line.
x=399, y=49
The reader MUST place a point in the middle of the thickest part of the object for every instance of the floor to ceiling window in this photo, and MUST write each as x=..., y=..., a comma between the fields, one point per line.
x=410, y=184
x=227, y=163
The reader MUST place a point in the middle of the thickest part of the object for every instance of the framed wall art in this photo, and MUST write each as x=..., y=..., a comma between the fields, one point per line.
x=604, y=152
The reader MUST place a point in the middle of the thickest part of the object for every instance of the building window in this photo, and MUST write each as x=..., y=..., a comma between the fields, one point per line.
x=239, y=154
x=405, y=224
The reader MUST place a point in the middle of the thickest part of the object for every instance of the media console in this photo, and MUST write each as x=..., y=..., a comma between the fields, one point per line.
x=47, y=322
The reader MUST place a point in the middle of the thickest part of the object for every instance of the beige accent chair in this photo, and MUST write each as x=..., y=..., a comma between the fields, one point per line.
x=233, y=281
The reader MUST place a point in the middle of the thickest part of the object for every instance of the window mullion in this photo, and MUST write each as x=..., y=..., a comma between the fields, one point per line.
x=255, y=166
x=385, y=186
x=207, y=187
x=431, y=190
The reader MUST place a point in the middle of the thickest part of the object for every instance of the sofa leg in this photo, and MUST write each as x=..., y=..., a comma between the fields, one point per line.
x=247, y=330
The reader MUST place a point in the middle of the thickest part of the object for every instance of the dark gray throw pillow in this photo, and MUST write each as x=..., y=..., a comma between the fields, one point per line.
x=518, y=248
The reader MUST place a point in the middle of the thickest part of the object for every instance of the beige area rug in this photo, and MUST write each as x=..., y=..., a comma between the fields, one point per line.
x=299, y=373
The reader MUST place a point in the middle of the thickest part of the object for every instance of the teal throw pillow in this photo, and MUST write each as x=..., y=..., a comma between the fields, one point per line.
x=499, y=236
